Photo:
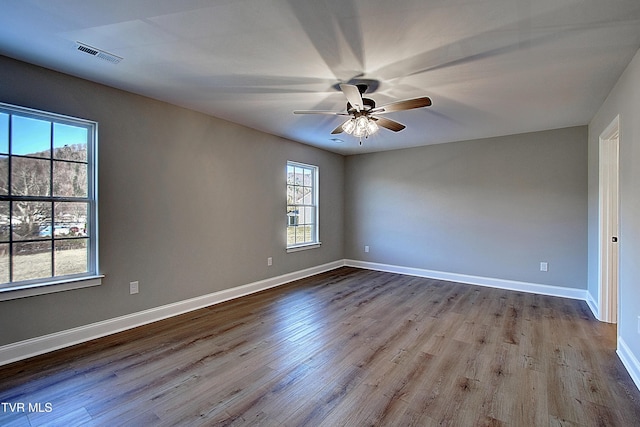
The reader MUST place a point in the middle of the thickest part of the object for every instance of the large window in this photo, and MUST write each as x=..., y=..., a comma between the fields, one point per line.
x=302, y=206
x=47, y=199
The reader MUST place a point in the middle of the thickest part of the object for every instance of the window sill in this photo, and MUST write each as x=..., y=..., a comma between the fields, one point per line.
x=303, y=247
x=49, y=287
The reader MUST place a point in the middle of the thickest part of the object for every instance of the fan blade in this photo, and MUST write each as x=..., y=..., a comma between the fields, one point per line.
x=353, y=96
x=407, y=104
x=337, y=130
x=333, y=113
x=389, y=124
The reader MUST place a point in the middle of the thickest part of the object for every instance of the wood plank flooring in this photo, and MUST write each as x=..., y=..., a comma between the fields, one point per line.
x=348, y=347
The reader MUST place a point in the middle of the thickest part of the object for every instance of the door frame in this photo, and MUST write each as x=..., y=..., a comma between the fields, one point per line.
x=608, y=200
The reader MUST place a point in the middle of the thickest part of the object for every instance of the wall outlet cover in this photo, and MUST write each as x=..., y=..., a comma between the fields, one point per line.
x=134, y=287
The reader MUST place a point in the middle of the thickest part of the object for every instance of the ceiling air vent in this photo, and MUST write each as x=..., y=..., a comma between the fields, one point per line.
x=90, y=50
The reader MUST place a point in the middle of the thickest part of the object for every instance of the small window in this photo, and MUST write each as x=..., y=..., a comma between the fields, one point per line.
x=48, y=231
x=302, y=206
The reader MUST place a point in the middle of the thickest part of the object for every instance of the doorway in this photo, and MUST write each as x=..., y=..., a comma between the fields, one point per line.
x=609, y=222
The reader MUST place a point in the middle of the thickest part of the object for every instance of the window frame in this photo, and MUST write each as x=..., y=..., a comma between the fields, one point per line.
x=20, y=289
x=315, y=205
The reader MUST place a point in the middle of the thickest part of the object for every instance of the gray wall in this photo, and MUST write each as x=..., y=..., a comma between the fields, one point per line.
x=624, y=100
x=189, y=204
x=492, y=208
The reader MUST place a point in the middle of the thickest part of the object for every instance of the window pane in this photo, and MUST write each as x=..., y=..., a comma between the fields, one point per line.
x=290, y=195
x=5, y=224
x=300, y=215
x=70, y=219
x=70, y=179
x=4, y=263
x=301, y=193
x=308, y=180
x=292, y=215
x=30, y=177
x=304, y=195
x=300, y=234
x=291, y=236
x=307, y=198
x=4, y=133
x=30, y=137
x=31, y=220
x=71, y=257
x=31, y=260
x=290, y=174
x=4, y=175
x=70, y=142
x=308, y=215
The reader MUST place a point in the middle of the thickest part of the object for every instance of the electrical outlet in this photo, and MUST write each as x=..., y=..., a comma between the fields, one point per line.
x=133, y=287
x=544, y=266
x=269, y=261
x=366, y=248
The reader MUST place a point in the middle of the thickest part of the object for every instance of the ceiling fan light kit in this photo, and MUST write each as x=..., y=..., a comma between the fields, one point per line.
x=364, y=121
x=361, y=126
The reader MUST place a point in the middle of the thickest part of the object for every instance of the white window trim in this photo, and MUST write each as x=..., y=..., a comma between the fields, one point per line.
x=316, y=190
x=303, y=247
x=34, y=289
x=60, y=284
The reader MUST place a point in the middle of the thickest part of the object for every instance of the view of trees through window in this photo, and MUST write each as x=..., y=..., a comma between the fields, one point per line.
x=45, y=197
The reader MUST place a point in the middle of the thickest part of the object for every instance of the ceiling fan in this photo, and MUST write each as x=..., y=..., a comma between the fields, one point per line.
x=364, y=114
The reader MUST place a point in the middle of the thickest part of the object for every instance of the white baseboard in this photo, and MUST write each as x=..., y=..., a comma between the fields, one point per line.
x=629, y=361
x=593, y=306
x=513, y=285
x=46, y=343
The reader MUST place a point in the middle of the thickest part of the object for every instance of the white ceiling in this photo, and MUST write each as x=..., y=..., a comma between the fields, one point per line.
x=491, y=67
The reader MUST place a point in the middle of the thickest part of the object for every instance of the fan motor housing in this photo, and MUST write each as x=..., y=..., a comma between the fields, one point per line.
x=369, y=104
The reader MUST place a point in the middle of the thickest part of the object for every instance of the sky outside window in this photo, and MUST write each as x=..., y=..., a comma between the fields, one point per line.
x=4, y=133
x=31, y=137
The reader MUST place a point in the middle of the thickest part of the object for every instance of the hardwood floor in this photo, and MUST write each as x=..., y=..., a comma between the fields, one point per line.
x=345, y=348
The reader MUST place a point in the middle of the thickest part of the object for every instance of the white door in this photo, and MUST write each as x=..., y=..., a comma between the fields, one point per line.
x=609, y=227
